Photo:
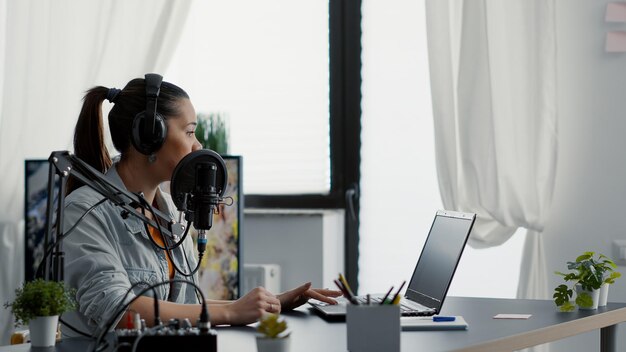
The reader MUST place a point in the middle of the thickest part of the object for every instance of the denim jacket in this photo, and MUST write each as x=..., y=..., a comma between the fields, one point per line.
x=107, y=253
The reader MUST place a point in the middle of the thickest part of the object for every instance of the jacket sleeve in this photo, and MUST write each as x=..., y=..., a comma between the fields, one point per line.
x=92, y=264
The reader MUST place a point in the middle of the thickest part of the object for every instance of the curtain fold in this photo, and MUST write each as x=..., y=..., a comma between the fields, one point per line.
x=493, y=80
x=52, y=51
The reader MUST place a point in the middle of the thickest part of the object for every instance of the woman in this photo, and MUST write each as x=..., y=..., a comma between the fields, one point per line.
x=108, y=252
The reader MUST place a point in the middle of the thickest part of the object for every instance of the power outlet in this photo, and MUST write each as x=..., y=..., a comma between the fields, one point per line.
x=619, y=252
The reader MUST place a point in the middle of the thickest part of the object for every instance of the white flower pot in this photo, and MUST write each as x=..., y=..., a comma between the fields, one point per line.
x=595, y=297
x=43, y=331
x=604, y=295
x=264, y=344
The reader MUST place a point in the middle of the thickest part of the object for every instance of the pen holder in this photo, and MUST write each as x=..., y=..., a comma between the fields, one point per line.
x=373, y=328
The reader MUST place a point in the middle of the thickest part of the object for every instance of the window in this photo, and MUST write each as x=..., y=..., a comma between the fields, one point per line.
x=287, y=74
x=399, y=187
x=264, y=65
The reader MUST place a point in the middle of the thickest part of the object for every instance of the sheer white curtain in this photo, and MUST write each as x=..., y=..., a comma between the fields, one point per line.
x=51, y=52
x=493, y=82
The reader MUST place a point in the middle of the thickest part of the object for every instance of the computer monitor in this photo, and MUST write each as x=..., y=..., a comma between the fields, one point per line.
x=220, y=272
x=35, y=205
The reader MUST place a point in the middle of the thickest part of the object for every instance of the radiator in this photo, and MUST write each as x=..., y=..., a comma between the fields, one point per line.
x=265, y=275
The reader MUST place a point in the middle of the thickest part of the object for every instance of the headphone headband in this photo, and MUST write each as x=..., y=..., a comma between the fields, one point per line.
x=153, y=88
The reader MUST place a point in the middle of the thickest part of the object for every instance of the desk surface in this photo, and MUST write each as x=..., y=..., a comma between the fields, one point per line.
x=312, y=333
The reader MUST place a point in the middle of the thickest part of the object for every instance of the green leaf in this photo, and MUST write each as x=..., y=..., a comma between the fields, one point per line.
x=271, y=327
x=611, y=278
x=40, y=298
x=584, y=256
x=562, y=294
x=584, y=300
x=567, y=307
x=571, y=277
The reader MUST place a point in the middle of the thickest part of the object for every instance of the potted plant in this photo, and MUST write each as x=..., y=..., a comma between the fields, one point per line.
x=212, y=132
x=274, y=337
x=607, y=267
x=588, y=276
x=38, y=304
x=562, y=297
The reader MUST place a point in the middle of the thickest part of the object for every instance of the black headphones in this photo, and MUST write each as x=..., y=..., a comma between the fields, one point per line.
x=149, y=127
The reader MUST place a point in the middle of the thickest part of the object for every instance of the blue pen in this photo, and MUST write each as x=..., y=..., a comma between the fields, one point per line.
x=443, y=318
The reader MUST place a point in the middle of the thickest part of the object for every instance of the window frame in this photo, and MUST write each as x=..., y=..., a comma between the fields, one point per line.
x=345, y=132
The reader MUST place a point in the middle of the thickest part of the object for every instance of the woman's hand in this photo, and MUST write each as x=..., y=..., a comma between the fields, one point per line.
x=249, y=308
x=300, y=295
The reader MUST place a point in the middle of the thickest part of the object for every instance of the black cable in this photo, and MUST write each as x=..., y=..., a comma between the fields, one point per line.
x=147, y=205
x=165, y=241
x=138, y=339
x=112, y=193
x=39, y=273
x=171, y=257
x=157, y=316
x=128, y=291
x=204, y=315
x=193, y=276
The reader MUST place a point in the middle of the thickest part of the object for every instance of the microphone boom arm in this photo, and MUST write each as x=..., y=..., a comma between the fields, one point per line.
x=63, y=164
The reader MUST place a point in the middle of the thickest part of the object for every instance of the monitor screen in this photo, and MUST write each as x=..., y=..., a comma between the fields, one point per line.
x=35, y=205
x=219, y=273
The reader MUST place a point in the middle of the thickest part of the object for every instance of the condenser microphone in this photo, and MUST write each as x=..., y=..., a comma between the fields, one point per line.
x=205, y=197
x=205, y=200
x=198, y=185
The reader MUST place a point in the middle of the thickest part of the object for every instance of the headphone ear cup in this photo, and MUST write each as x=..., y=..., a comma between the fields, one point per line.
x=148, y=143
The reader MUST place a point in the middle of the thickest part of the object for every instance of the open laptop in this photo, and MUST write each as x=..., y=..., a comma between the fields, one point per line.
x=433, y=273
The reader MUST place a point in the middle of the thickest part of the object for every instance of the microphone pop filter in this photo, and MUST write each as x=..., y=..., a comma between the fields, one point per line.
x=184, y=176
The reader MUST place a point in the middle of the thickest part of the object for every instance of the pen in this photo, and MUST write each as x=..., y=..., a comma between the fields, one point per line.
x=396, y=297
x=387, y=295
x=345, y=284
x=346, y=293
x=443, y=318
x=342, y=289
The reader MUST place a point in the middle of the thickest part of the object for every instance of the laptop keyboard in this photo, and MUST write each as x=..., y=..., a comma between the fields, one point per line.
x=404, y=309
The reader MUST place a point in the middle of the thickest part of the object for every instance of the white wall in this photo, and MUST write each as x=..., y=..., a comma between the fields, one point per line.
x=589, y=201
x=308, y=245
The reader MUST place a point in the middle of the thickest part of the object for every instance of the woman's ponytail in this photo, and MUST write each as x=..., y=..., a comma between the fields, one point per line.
x=89, y=144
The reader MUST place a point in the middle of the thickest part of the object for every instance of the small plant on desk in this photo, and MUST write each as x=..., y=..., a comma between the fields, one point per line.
x=588, y=276
x=274, y=335
x=271, y=327
x=39, y=298
x=38, y=304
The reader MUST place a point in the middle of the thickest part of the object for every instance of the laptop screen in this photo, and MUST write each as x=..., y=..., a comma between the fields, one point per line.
x=440, y=256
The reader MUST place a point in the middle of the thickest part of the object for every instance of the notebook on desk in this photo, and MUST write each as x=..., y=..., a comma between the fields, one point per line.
x=433, y=273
